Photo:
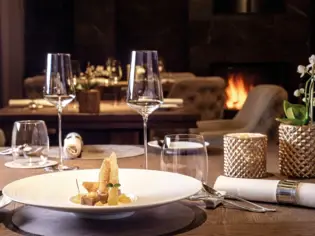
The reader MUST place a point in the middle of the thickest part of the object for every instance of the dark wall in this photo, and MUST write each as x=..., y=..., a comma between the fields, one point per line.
x=97, y=29
x=48, y=28
x=187, y=33
x=157, y=24
x=94, y=31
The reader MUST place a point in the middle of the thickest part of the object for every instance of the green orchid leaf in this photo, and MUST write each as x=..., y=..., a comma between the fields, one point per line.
x=294, y=111
x=292, y=121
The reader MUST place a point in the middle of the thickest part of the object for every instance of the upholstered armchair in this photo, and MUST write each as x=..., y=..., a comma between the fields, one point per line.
x=34, y=86
x=262, y=106
x=175, y=76
x=2, y=138
x=204, y=95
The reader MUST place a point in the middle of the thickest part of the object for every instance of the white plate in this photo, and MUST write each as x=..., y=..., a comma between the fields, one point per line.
x=4, y=201
x=23, y=164
x=182, y=145
x=53, y=190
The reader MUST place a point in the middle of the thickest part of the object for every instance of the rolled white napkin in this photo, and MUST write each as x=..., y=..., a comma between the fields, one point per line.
x=26, y=102
x=173, y=101
x=263, y=190
x=73, y=145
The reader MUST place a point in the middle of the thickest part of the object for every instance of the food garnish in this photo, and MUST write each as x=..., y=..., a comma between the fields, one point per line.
x=106, y=191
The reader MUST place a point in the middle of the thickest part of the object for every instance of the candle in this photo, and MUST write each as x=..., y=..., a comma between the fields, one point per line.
x=245, y=155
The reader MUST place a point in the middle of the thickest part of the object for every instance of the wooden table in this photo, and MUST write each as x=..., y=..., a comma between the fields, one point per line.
x=116, y=123
x=287, y=220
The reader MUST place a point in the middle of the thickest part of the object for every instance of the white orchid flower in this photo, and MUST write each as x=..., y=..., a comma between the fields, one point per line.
x=312, y=60
x=301, y=90
x=297, y=93
x=302, y=70
x=303, y=99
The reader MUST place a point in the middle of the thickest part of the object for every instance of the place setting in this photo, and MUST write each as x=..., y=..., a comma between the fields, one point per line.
x=123, y=196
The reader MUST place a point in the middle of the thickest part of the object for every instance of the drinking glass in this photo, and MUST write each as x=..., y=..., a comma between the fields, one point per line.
x=144, y=93
x=185, y=154
x=59, y=90
x=30, y=143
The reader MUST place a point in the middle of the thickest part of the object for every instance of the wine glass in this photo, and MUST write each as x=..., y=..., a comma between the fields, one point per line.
x=114, y=68
x=185, y=154
x=144, y=93
x=59, y=90
x=30, y=143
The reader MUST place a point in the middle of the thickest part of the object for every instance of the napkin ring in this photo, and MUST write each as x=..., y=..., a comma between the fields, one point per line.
x=287, y=191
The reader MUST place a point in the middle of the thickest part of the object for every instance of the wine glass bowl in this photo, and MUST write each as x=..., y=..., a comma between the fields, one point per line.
x=114, y=69
x=144, y=93
x=59, y=90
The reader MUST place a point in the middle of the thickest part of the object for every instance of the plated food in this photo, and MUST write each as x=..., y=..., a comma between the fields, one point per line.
x=105, y=192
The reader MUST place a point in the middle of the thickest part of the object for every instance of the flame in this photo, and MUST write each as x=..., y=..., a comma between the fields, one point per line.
x=236, y=91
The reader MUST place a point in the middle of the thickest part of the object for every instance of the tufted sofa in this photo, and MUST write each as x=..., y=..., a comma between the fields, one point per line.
x=34, y=86
x=2, y=138
x=205, y=95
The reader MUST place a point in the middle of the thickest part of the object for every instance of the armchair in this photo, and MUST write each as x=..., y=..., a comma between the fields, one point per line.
x=262, y=106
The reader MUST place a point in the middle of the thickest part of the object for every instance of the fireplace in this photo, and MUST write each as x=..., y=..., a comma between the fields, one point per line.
x=238, y=86
x=242, y=77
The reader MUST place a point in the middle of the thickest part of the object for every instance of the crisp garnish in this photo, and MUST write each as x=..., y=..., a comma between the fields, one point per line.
x=76, y=180
x=106, y=191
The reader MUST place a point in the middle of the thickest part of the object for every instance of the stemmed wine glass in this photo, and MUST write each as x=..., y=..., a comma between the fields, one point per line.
x=114, y=68
x=59, y=90
x=144, y=93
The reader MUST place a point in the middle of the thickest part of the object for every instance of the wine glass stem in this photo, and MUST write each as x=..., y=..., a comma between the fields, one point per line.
x=59, y=135
x=145, y=139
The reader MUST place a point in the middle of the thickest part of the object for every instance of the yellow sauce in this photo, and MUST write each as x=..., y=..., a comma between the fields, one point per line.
x=122, y=199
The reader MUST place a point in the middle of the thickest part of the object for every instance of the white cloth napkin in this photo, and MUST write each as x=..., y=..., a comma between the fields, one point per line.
x=173, y=101
x=263, y=190
x=26, y=102
x=73, y=145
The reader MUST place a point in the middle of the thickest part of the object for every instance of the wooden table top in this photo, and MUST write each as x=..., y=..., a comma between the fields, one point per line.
x=109, y=112
x=287, y=220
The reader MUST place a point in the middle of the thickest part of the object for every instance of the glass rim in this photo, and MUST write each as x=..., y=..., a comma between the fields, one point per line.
x=59, y=54
x=191, y=136
x=29, y=122
x=145, y=51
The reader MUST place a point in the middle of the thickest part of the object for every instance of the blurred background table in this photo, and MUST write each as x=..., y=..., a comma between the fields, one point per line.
x=116, y=123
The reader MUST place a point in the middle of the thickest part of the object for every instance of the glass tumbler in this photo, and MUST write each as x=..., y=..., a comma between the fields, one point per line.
x=30, y=143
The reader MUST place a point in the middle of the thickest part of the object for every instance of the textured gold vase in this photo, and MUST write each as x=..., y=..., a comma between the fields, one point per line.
x=297, y=150
x=245, y=155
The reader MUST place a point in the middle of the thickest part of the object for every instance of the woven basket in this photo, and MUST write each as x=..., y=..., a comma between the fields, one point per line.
x=297, y=150
x=245, y=155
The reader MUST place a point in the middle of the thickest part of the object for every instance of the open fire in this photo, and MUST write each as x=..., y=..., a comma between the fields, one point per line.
x=236, y=91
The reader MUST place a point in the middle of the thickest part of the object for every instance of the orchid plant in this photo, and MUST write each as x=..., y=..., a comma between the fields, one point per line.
x=302, y=114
